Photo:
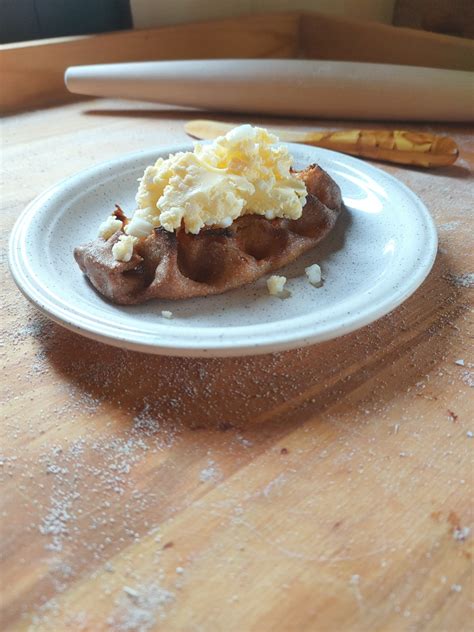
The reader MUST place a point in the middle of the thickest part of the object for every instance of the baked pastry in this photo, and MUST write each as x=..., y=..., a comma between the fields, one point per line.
x=131, y=264
x=175, y=265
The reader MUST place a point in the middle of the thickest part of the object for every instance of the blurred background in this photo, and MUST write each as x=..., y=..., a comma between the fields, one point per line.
x=23, y=20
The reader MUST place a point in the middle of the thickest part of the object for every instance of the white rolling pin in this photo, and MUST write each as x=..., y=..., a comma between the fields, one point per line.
x=287, y=87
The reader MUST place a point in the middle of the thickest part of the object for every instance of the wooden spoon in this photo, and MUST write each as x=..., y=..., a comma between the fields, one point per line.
x=403, y=147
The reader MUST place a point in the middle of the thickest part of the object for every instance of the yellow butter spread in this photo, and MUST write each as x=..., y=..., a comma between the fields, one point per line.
x=245, y=171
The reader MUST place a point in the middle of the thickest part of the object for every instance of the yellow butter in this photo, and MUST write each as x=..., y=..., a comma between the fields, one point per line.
x=243, y=172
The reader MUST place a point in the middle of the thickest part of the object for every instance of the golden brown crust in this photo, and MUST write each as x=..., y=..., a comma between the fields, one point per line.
x=181, y=265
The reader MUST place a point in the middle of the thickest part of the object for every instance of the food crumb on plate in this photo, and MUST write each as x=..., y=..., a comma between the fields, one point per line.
x=275, y=284
x=166, y=313
x=314, y=274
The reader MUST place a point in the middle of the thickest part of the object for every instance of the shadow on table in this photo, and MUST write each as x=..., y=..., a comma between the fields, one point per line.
x=265, y=396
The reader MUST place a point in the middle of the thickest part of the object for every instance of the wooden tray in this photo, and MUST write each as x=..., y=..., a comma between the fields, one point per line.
x=32, y=72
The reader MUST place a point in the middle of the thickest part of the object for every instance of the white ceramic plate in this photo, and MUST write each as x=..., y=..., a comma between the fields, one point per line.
x=379, y=253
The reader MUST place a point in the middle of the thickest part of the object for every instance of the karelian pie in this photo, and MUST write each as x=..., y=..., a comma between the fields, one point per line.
x=179, y=264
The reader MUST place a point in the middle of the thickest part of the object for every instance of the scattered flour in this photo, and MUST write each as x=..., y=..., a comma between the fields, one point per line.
x=468, y=378
x=276, y=482
x=462, y=280
x=55, y=523
x=140, y=609
x=461, y=533
x=209, y=473
x=449, y=225
x=354, y=583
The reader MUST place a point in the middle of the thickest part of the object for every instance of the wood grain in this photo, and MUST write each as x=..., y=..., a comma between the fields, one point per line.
x=455, y=17
x=33, y=73
x=332, y=37
x=314, y=490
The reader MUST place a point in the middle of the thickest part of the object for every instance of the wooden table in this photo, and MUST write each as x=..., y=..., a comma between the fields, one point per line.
x=321, y=489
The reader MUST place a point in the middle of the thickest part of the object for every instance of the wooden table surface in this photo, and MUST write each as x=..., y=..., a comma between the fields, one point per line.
x=322, y=489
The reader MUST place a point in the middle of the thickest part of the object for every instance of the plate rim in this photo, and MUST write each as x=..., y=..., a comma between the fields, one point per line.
x=216, y=346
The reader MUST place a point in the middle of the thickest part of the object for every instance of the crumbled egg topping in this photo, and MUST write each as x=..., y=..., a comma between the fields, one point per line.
x=314, y=274
x=243, y=172
x=275, y=284
x=109, y=227
x=122, y=250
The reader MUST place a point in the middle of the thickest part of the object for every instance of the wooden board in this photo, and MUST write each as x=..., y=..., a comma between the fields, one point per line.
x=320, y=489
x=331, y=37
x=455, y=17
x=33, y=72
